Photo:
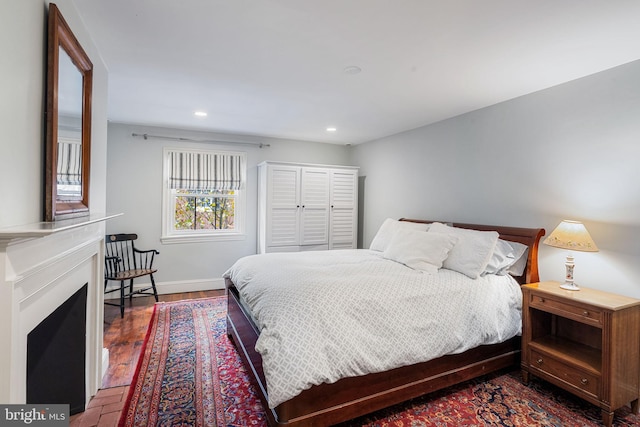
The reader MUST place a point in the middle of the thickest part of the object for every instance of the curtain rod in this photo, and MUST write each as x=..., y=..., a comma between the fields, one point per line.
x=174, y=138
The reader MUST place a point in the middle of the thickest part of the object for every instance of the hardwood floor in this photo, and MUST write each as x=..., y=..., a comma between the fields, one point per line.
x=124, y=338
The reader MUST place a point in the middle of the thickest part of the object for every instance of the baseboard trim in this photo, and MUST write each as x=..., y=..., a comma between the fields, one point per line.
x=188, y=286
x=177, y=286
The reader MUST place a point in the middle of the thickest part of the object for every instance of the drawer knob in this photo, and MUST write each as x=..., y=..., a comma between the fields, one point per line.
x=585, y=313
x=540, y=361
x=541, y=299
x=584, y=381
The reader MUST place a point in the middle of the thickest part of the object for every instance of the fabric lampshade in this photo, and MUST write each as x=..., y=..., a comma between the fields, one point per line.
x=571, y=235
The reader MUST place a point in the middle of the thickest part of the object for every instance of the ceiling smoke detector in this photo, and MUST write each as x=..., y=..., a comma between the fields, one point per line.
x=352, y=69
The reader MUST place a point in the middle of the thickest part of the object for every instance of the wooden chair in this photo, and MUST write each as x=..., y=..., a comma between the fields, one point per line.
x=124, y=262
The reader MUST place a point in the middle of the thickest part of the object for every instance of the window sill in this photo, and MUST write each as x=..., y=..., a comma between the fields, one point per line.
x=198, y=238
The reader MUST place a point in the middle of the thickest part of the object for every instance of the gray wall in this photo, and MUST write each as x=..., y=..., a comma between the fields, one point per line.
x=23, y=26
x=135, y=189
x=568, y=152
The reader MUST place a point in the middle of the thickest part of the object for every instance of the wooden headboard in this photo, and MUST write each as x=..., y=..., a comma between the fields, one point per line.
x=527, y=236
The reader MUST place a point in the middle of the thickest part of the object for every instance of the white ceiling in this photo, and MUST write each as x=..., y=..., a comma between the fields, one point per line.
x=276, y=67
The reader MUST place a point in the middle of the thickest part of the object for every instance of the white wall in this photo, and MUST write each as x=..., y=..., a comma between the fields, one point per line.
x=571, y=151
x=135, y=188
x=23, y=26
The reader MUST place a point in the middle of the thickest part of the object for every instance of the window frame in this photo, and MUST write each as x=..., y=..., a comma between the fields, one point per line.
x=170, y=235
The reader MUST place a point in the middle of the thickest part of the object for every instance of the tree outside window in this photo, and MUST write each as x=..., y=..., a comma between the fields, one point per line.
x=204, y=210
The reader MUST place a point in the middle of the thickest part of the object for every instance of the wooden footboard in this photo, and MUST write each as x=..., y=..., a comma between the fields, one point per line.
x=348, y=398
x=329, y=404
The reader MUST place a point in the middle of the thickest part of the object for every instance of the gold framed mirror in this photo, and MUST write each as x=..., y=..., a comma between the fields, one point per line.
x=68, y=122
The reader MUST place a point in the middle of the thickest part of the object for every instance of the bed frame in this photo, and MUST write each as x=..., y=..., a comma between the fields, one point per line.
x=348, y=398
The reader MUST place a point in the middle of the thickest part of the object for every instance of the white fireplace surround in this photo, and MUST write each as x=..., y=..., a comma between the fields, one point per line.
x=41, y=266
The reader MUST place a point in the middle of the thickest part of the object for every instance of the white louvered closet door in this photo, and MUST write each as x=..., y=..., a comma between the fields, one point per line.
x=306, y=207
x=284, y=207
x=343, y=213
x=314, y=214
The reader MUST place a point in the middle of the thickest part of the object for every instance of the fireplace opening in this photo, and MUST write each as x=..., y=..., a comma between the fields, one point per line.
x=56, y=353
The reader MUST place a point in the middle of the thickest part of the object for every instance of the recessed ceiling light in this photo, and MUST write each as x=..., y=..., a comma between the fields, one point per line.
x=331, y=129
x=200, y=114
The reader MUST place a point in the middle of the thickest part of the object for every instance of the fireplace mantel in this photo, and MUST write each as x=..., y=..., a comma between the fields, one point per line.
x=43, y=229
x=41, y=266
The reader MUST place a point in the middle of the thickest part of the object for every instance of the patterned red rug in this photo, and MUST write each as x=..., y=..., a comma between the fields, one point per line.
x=189, y=374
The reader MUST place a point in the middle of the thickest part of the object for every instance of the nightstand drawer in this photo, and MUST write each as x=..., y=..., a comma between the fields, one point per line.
x=567, y=373
x=566, y=309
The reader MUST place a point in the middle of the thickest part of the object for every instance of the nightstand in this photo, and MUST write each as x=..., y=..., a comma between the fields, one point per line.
x=586, y=342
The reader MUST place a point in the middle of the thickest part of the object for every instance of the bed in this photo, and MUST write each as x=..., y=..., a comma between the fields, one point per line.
x=341, y=399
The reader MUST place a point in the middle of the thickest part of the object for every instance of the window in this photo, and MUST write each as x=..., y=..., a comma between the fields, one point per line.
x=204, y=195
x=69, y=172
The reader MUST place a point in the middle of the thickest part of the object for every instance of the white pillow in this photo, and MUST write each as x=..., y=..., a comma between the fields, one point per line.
x=505, y=256
x=389, y=228
x=472, y=252
x=517, y=268
x=419, y=250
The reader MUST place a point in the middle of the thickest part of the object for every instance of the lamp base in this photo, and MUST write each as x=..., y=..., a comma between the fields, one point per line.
x=570, y=286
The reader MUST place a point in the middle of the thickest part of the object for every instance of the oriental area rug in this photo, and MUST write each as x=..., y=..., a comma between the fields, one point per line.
x=189, y=374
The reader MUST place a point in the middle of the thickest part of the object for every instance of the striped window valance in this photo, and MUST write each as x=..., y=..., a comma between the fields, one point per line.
x=69, y=162
x=206, y=171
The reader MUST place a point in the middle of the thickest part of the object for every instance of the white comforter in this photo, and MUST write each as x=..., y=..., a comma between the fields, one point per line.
x=332, y=314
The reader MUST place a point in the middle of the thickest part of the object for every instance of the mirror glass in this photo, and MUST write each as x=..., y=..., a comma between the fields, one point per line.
x=69, y=167
x=68, y=121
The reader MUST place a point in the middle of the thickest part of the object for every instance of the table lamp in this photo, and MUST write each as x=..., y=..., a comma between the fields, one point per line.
x=571, y=235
